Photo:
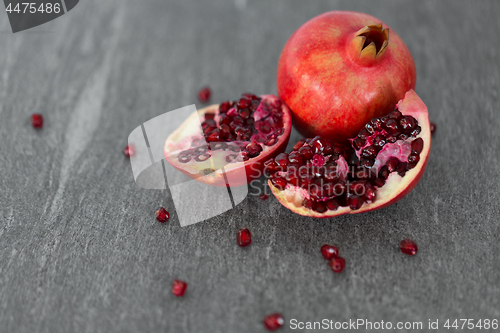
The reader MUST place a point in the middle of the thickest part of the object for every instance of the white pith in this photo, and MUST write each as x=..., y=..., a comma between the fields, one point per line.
x=394, y=186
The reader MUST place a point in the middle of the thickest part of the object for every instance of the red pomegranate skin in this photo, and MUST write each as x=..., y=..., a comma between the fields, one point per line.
x=331, y=90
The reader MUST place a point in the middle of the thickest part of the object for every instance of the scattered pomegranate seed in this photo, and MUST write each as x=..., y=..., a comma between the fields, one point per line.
x=433, y=128
x=204, y=94
x=129, y=151
x=337, y=264
x=408, y=247
x=179, y=288
x=264, y=196
x=273, y=321
x=162, y=215
x=329, y=251
x=244, y=237
x=36, y=120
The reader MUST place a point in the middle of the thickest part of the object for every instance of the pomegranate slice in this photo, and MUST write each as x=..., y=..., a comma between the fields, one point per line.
x=388, y=158
x=233, y=141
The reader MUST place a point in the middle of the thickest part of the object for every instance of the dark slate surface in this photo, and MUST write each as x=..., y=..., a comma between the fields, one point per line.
x=81, y=251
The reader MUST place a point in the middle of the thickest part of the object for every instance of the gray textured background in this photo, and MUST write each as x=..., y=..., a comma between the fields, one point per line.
x=80, y=250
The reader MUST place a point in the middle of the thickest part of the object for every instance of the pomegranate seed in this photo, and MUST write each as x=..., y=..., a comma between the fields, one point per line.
x=355, y=202
x=402, y=136
x=396, y=114
x=413, y=159
x=370, y=194
x=162, y=215
x=306, y=151
x=36, y=120
x=295, y=157
x=129, y=151
x=253, y=149
x=433, y=128
x=279, y=183
x=299, y=144
x=264, y=196
x=309, y=204
x=408, y=247
x=370, y=152
x=358, y=143
x=243, y=103
x=282, y=159
x=337, y=264
x=179, y=288
x=272, y=165
x=417, y=146
x=244, y=237
x=329, y=251
x=273, y=321
x=332, y=204
x=204, y=94
x=224, y=106
x=378, y=182
x=392, y=164
x=320, y=207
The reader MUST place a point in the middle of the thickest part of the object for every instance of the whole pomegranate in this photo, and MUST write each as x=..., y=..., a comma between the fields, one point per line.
x=340, y=70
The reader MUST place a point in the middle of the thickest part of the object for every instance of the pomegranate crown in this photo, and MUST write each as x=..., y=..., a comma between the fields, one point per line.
x=370, y=43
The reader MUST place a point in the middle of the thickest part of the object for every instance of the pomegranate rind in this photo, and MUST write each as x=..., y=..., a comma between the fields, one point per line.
x=281, y=196
x=252, y=168
x=396, y=187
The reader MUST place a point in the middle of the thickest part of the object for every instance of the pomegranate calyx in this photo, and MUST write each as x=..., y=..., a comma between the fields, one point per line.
x=369, y=44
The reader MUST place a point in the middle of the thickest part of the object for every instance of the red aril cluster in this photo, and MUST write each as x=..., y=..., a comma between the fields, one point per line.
x=233, y=141
x=317, y=171
x=243, y=128
x=388, y=130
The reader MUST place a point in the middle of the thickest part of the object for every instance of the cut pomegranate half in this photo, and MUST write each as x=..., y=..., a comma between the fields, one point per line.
x=233, y=141
x=320, y=179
